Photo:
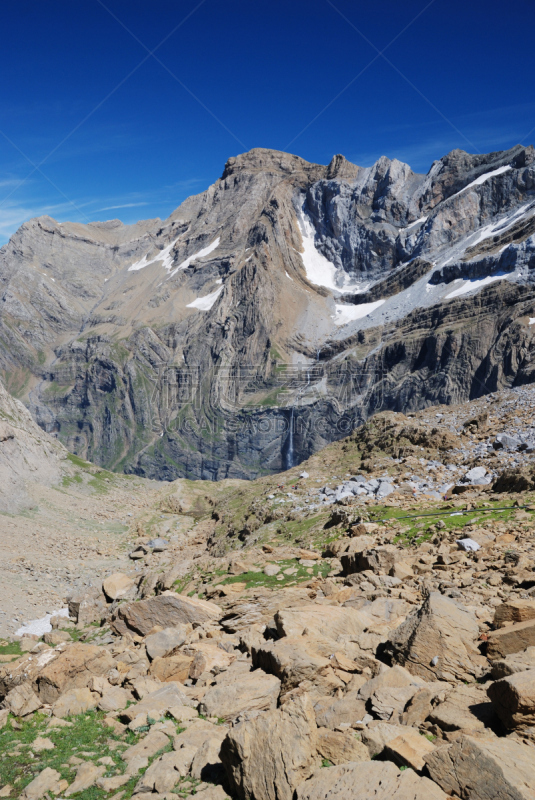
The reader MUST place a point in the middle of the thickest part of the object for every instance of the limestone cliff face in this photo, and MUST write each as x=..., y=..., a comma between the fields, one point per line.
x=273, y=312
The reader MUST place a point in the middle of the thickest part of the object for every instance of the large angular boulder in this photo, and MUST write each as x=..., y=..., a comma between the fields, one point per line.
x=158, y=702
x=165, y=642
x=438, y=641
x=379, y=560
x=320, y=620
x=465, y=708
x=72, y=670
x=484, y=769
x=332, y=712
x=173, y=668
x=292, y=659
x=254, y=691
x=514, y=699
x=409, y=749
x=339, y=747
x=117, y=586
x=47, y=781
x=75, y=701
x=266, y=758
x=87, y=606
x=511, y=639
x=22, y=700
x=514, y=611
x=514, y=662
x=368, y=780
x=167, y=610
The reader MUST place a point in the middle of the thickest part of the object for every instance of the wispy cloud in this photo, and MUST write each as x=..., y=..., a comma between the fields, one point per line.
x=122, y=205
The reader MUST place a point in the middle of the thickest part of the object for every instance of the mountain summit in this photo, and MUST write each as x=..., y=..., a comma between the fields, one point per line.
x=274, y=312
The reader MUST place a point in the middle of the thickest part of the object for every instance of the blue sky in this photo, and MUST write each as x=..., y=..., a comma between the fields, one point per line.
x=122, y=108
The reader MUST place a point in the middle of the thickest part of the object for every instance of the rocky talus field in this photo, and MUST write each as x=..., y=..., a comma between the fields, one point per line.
x=359, y=627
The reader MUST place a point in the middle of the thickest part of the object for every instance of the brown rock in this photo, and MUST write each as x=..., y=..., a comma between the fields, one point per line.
x=484, y=769
x=465, y=708
x=514, y=699
x=254, y=691
x=370, y=780
x=514, y=611
x=86, y=776
x=47, y=781
x=147, y=747
x=117, y=585
x=22, y=701
x=269, y=756
x=166, y=697
x=168, y=610
x=377, y=735
x=340, y=747
x=409, y=749
x=87, y=606
x=511, y=639
x=206, y=764
x=331, y=712
x=114, y=699
x=320, y=620
x=72, y=670
x=514, y=662
x=174, y=668
x=166, y=641
x=440, y=630
x=379, y=560
x=76, y=701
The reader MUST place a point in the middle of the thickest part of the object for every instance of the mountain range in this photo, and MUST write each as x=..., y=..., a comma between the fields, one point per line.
x=274, y=312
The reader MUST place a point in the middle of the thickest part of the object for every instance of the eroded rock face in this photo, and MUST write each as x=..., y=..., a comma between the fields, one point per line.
x=268, y=757
x=236, y=288
x=481, y=769
x=167, y=610
x=438, y=641
x=371, y=780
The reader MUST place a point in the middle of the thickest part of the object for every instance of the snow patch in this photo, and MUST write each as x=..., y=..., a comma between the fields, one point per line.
x=290, y=279
x=319, y=270
x=164, y=256
x=482, y=178
x=531, y=321
x=475, y=283
x=205, y=303
x=348, y=313
x=415, y=223
x=41, y=626
x=199, y=254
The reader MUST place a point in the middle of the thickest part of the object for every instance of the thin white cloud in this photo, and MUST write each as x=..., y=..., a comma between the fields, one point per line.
x=123, y=205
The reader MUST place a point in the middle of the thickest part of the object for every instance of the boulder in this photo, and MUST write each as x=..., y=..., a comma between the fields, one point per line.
x=292, y=659
x=117, y=586
x=369, y=780
x=331, y=712
x=153, y=742
x=514, y=662
x=207, y=765
x=197, y=733
x=438, y=641
x=514, y=699
x=165, y=772
x=167, y=610
x=158, y=702
x=75, y=701
x=114, y=699
x=514, y=611
x=22, y=700
x=72, y=670
x=254, y=691
x=165, y=642
x=389, y=703
x=320, y=620
x=269, y=756
x=47, y=781
x=339, y=747
x=465, y=708
x=484, y=769
x=208, y=657
x=380, y=560
x=409, y=749
x=511, y=639
x=377, y=735
x=86, y=776
x=87, y=606
x=173, y=668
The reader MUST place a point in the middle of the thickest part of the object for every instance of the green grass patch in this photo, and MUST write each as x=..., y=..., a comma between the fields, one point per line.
x=78, y=462
x=10, y=649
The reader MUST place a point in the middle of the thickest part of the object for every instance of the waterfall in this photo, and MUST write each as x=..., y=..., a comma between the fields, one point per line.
x=289, y=460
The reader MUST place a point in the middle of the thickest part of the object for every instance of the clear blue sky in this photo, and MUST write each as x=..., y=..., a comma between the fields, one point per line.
x=118, y=132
